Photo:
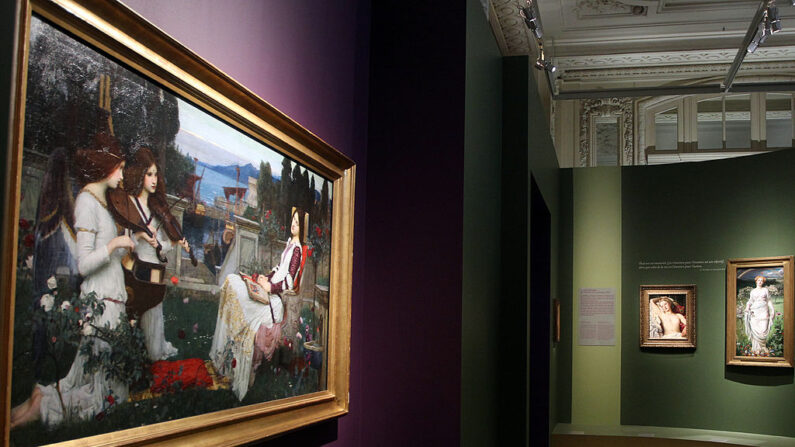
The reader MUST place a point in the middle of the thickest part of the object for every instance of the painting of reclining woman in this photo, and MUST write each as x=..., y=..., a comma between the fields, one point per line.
x=168, y=265
x=667, y=316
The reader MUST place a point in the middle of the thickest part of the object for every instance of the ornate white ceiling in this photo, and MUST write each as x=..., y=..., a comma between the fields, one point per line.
x=639, y=41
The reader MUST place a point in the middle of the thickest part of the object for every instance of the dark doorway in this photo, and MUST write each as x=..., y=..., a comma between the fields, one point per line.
x=540, y=333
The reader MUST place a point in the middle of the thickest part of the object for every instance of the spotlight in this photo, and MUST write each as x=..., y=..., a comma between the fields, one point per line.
x=541, y=64
x=759, y=38
x=773, y=19
x=532, y=18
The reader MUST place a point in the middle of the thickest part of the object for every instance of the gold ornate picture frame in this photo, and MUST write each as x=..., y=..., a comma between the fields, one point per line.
x=121, y=86
x=668, y=316
x=759, y=311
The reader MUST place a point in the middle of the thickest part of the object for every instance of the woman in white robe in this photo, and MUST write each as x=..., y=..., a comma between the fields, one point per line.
x=759, y=314
x=99, y=253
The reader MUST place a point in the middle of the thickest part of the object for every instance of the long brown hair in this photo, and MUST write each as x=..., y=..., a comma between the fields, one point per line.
x=134, y=174
x=99, y=160
x=301, y=223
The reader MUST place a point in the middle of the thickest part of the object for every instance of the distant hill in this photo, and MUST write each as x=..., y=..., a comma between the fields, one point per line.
x=230, y=171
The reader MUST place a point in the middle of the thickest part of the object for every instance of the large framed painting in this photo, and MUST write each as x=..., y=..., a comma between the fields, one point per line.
x=176, y=252
x=668, y=316
x=759, y=313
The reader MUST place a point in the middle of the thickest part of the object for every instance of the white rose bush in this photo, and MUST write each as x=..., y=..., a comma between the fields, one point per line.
x=70, y=325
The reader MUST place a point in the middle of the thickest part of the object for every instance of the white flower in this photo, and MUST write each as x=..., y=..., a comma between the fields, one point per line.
x=133, y=322
x=88, y=315
x=46, y=301
x=301, y=319
x=52, y=283
x=79, y=322
x=87, y=330
x=29, y=262
x=298, y=334
x=66, y=305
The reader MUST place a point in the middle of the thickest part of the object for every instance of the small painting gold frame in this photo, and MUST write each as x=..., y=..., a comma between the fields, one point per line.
x=660, y=326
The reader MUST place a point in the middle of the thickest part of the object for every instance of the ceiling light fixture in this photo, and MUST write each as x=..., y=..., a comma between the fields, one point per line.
x=532, y=18
x=773, y=18
x=769, y=24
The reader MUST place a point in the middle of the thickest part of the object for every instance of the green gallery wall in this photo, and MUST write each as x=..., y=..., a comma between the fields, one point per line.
x=700, y=212
x=481, y=242
x=711, y=211
x=505, y=130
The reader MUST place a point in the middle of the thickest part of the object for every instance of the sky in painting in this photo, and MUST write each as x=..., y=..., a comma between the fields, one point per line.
x=751, y=273
x=214, y=142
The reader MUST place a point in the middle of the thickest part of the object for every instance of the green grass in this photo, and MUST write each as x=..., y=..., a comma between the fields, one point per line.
x=274, y=380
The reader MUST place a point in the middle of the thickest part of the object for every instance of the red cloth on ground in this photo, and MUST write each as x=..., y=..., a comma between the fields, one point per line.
x=190, y=372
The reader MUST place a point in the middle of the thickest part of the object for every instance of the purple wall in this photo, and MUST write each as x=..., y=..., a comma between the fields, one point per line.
x=393, y=102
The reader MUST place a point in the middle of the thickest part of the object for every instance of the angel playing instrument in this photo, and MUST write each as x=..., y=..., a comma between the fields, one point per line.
x=127, y=215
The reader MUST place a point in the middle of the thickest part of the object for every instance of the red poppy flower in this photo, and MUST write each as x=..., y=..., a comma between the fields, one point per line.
x=110, y=399
x=29, y=240
x=318, y=231
x=181, y=334
x=174, y=280
x=234, y=363
x=309, y=252
x=24, y=224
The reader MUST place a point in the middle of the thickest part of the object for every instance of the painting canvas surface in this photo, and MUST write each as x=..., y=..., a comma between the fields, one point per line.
x=759, y=312
x=248, y=215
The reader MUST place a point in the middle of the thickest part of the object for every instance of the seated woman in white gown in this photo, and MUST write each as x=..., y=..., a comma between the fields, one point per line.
x=248, y=328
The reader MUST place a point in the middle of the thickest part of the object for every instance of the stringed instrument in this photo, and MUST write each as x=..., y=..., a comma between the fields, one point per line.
x=126, y=214
x=169, y=223
x=143, y=280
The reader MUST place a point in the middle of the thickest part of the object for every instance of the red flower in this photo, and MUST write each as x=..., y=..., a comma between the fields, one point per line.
x=77, y=309
x=110, y=399
x=54, y=339
x=181, y=334
x=24, y=224
x=318, y=231
x=234, y=363
x=174, y=280
x=309, y=252
x=282, y=227
x=28, y=241
x=268, y=214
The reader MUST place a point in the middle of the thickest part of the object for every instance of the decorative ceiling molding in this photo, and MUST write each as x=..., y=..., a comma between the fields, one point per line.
x=672, y=72
x=621, y=108
x=600, y=8
x=510, y=30
x=671, y=58
x=670, y=6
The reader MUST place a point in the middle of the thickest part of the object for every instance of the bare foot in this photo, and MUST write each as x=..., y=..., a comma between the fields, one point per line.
x=28, y=411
